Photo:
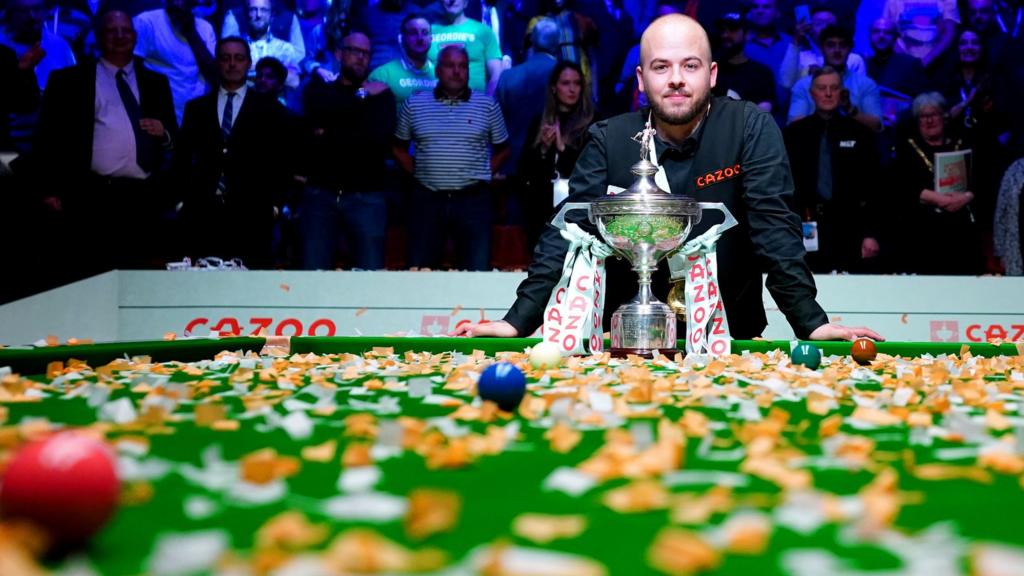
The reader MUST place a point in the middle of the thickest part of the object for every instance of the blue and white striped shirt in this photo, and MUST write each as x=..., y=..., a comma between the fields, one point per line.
x=453, y=138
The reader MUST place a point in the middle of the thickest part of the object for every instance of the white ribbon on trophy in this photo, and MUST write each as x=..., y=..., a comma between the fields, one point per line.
x=696, y=262
x=574, y=313
x=707, y=329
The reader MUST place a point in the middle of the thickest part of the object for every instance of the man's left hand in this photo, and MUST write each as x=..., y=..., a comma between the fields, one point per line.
x=837, y=332
x=152, y=126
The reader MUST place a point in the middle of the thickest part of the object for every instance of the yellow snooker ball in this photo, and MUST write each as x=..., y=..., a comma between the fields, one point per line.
x=545, y=355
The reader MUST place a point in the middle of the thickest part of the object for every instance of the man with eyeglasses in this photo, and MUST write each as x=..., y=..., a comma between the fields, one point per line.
x=413, y=72
x=263, y=43
x=348, y=128
x=860, y=99
x=35, y=46
x=284, y=23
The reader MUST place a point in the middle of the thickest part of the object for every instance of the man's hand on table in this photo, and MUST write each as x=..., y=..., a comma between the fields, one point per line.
x=502, y=329
x=498, y=329
x=837, y=332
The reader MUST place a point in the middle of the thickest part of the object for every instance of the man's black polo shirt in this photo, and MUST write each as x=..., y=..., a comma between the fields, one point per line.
x=759, y=194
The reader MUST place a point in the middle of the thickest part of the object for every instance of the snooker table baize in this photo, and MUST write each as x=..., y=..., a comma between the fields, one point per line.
x=346, y=455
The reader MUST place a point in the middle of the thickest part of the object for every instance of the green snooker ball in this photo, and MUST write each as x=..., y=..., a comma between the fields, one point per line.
x=807, y=355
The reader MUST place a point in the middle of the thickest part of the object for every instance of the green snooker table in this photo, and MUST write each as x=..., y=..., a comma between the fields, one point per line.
x=374, y=455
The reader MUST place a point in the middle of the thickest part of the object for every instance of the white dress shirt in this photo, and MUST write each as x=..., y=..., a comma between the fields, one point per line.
x=236, y=103
x=113, y=136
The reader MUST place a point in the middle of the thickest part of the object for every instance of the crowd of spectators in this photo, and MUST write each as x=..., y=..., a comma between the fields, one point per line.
x=374, y=134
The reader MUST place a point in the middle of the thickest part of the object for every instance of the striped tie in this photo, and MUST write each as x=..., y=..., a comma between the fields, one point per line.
x=229, y=114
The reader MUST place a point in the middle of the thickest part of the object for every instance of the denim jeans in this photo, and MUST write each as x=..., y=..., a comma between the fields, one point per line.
x=360, y=216
x=467, y=213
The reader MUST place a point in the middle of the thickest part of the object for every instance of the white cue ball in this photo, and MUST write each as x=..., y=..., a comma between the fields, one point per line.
x=545, y=355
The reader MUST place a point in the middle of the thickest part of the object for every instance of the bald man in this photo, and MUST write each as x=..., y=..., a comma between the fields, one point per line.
x=698, y=137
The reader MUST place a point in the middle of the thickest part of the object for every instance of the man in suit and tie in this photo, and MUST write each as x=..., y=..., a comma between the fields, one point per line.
x=105, y=129
x=522, y=90
x=233, y=164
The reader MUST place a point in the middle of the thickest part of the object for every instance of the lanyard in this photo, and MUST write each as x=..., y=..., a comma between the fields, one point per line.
x=1016, y=26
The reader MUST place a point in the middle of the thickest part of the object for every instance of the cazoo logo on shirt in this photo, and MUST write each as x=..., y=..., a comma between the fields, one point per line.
x=454, y=37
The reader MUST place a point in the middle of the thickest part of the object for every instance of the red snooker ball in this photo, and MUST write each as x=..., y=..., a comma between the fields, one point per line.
x=66, y=484
x=863, y=351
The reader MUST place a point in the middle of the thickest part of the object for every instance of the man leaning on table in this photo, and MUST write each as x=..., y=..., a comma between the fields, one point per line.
x=695, y=136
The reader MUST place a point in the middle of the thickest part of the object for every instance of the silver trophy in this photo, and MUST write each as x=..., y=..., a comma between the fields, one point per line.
x=643, y=224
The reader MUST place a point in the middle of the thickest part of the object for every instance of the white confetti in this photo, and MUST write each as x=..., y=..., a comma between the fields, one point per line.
x=199, y=507
x=359, y=479
x=570, y=481
x=366, y=506
x=257, y=494
x=120, y=411
x=180, y=554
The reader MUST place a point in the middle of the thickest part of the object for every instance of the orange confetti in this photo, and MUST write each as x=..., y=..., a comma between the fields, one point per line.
x=170, y=335
x=286, y=287
x=431, y=512
x=905, y=319
x=361, y=311
x=54, y=369
x=52, y=340
x=677, y=551
x=456, y=310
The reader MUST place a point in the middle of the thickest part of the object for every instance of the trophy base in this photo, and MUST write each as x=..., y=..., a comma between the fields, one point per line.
x=641, y=329
x=642, y=352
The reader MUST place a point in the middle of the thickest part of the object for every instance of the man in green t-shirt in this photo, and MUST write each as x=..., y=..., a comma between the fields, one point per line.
x=413, y=72
x=485, y=64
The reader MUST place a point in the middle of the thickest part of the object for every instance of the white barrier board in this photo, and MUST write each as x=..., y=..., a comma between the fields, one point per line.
x=143, y=305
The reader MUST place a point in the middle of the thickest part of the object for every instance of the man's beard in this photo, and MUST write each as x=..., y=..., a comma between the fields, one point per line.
x=683, y=117
x=353, y=76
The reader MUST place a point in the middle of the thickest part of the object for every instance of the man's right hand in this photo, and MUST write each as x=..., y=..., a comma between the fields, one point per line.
x=325, y=74
x=497, y=329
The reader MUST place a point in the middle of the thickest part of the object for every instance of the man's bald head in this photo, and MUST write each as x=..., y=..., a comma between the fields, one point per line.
x=676, y=72
x=674, y=30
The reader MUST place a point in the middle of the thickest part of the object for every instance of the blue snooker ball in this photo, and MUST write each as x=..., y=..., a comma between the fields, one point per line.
x=503, y=384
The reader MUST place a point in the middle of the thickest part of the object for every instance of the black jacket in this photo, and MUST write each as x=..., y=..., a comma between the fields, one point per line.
x=20, y=92
x=62, y=150
x=767, y=238
x=254, y=161
x=852, y=213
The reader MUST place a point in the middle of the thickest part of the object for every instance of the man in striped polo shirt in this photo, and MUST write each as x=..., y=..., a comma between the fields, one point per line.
x=461, y=140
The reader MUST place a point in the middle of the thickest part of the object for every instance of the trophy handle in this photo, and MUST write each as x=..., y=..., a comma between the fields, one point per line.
x=559, y=220
x=729, y=221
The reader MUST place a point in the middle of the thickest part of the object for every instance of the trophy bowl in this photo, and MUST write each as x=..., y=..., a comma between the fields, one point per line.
x=644, y=224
